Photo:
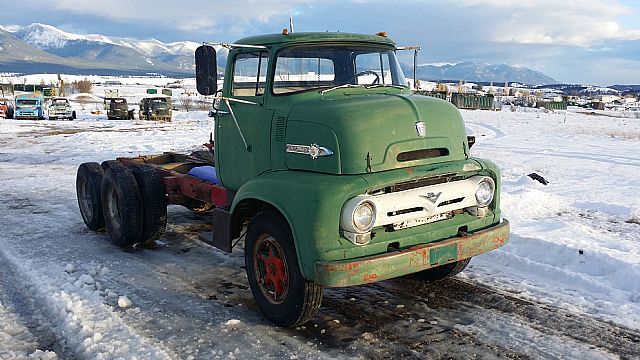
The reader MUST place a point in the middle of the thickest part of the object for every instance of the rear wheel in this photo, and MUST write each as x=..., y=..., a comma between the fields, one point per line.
x=122, y=205
x=277, y=284
x=88, y=184
x=442, y=272
x=154, y=214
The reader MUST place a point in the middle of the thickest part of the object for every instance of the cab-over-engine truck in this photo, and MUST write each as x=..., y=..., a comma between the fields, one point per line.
x=334, y=172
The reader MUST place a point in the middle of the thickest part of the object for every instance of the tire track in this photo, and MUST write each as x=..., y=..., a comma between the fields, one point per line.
x=392, y=320
x=583, y=328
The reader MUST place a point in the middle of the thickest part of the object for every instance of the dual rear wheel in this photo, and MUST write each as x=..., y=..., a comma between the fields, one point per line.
x=128, y=201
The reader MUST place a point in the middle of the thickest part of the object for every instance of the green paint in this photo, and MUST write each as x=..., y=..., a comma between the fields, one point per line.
x=366, y=128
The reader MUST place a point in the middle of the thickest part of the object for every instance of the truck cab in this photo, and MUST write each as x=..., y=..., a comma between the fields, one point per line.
x=156, y=108
x=341, y=175
x=29, y=106
x=118, y=109
x=60, y=108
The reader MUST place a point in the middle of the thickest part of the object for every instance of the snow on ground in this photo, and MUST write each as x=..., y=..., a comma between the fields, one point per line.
x=574, y=242
x=571, y=248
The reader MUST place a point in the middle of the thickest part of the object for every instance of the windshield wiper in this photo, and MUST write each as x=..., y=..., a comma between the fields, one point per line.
x=344, y=86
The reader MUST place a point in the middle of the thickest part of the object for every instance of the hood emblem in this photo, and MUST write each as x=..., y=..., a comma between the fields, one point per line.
x=313, y=150
x=421, y=129
x=431, y=197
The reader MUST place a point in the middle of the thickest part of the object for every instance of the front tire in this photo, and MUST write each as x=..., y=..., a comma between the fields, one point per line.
x=88, y=184
x=277, y=284
x=121, y=205
x=442, y=272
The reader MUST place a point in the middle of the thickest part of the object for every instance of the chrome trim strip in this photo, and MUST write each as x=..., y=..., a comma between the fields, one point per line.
x=313, y=150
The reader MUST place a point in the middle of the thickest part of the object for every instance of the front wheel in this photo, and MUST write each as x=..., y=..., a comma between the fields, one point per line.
x=277, y=284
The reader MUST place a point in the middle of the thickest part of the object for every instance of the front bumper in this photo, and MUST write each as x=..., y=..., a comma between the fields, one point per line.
x=60, y=114
x=417, y=258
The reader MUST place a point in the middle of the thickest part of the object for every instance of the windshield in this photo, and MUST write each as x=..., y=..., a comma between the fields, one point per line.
x=159, y=104
x=60, y=102
x=303, y=68
x=118, y=104
x=27, y=102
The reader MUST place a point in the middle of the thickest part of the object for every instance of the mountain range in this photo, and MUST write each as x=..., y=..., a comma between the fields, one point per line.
x=41, y=48
x=44, y=48
x=479, y=72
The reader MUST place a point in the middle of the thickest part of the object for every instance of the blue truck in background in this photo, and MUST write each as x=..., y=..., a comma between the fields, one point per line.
x=29, y=106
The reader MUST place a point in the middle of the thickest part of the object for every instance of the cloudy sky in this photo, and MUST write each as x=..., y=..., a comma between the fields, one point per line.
x=579, y=41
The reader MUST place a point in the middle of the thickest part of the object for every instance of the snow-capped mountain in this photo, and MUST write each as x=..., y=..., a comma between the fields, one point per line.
x=480, y=72
x=99, y=51
x=47, y=37
x=54, y=50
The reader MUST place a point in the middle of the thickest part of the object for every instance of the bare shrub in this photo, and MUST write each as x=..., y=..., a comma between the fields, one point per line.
x=82, y=86
x=187, y=101
x=203, y=103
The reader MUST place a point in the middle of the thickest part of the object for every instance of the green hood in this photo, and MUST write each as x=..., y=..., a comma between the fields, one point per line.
x=375, y=132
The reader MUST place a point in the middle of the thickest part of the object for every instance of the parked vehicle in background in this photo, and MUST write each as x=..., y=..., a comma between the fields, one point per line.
x=118, y=109
x=6, y=109
x=60, y=108
x=29, y=106
x=157, y=108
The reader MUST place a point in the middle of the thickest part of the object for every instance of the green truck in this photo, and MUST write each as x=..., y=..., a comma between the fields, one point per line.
x=155, y=108
x=118, y=109
x=324, y=161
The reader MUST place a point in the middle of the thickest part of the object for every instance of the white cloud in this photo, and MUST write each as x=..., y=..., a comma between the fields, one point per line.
x=187, y=15
x=576, y=23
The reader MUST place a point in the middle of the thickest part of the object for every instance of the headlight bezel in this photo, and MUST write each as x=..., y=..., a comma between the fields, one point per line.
x=484, y=201
x=372, y=216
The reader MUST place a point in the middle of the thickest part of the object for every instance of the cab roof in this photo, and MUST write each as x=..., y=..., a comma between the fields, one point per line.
x=311, y=37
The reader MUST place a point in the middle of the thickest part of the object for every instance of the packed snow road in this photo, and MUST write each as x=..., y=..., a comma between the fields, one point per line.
x=567, y=286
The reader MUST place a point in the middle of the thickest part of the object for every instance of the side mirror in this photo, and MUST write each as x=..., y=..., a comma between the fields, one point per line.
x=471, y=140
x=206, y=70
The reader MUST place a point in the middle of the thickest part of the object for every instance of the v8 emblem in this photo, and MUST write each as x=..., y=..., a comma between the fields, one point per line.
x=431, y=197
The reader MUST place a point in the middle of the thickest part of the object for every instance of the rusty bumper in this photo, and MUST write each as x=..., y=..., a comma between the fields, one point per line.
x=390, y=265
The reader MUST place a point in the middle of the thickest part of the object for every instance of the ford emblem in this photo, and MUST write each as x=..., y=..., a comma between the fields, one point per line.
x=421, y=129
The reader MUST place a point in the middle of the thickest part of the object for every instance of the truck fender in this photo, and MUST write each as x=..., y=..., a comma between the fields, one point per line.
x=252, y=198
x=308, y=202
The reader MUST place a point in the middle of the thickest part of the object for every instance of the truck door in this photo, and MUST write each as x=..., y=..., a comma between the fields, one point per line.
x=239, y=160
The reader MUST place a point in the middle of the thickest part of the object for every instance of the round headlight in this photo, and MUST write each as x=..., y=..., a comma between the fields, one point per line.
x=484, y=193
x=364, y=216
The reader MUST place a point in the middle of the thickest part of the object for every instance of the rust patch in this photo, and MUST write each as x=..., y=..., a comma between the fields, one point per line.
x=420, y=257
x=369, y=278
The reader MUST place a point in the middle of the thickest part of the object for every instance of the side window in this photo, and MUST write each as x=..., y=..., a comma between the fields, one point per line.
x=250, y=74
x=369, y=63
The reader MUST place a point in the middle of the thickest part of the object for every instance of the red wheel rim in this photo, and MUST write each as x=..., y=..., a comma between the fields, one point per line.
x=270, y=269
